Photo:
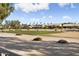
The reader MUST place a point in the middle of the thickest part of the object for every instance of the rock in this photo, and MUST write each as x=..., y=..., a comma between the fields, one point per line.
x=62, y=41
x=37, y=39
x=18, y=34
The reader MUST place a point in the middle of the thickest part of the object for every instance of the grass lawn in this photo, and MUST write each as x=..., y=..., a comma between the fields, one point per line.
x=32, y=32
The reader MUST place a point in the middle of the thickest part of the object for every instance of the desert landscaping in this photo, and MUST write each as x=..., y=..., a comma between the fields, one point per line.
x=38, y=29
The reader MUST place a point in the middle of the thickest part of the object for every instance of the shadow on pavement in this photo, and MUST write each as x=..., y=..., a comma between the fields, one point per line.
x=4, y=52
x=40, y=48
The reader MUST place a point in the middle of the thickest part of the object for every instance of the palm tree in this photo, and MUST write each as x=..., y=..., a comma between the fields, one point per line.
x=15, y=24
x=7, y=24
x=5, y=10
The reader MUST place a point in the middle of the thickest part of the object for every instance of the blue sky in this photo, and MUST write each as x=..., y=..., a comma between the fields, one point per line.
x=45, y=12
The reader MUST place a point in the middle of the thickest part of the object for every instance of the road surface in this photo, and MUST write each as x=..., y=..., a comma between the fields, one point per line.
x=23, y=45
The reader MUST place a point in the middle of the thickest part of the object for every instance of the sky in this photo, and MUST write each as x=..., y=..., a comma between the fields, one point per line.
x=32, y=13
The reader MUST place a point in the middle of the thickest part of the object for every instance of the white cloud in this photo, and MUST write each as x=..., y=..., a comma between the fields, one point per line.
x=72, y=5
x=50, y=17
x=63, y=4
x=67, y=18
x=66, y=4
x=44, y=17
x=30, y=7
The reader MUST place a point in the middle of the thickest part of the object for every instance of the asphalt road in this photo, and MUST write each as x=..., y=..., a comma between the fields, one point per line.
x=24, y=46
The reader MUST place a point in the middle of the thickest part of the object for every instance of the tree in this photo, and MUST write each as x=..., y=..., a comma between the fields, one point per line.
x=7, y=24
x=12, y=24
x=5, y=10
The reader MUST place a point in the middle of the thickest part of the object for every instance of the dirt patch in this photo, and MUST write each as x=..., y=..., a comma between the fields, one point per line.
x=66, y=35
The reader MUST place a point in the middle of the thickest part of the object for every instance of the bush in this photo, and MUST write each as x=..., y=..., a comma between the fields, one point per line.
x=62, y=41
x=37, y=39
